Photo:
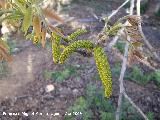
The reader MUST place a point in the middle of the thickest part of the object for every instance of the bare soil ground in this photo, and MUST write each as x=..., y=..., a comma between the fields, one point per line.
x=24, y=67
x=23, y=90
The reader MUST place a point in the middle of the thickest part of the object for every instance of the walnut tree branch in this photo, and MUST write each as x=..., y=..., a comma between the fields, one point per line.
x=123, y=69
x=143, y=35
x=115, y=12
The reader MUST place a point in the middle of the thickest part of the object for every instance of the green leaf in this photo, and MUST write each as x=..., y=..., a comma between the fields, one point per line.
x=27, y=19
x=20, y=5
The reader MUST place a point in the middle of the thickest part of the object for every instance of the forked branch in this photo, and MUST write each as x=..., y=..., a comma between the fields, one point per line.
x=123, y=69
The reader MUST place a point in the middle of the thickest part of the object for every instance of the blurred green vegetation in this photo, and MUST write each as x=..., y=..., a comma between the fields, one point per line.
x=137, y=75
x=94, y=106
x=12, y=45
x=158, y=13
x=91, y=105
x=130, y=113
x=144, y=7
x=150, y=115
x=120, y=45
x=61, y=75
x=116, y=69
x=155, y=76
x=4, y=70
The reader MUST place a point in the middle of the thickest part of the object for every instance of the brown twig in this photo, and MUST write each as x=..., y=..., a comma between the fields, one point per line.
x=124, y=65
x=123, y=69
x=122, y=91
x=115, y=12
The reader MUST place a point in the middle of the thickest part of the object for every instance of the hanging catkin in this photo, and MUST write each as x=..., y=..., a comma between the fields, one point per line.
x=76, y=34
x=114, y=29
x=73, y=47
x=103, y=69
x=55, y=47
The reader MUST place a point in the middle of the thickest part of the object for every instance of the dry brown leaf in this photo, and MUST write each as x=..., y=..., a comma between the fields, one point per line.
x=152, y=63
x=8, y=5
x=134, y=33
x=37, y=26
x=2, y=4
x=1, y=57
x=138, y=54
x=4, y=51
x=134, y=55
x=3, y=48
x=5, y=55
x=133, y=29
x=131, y=58
x=134, y=20
x=43, y=40
x=51, y=14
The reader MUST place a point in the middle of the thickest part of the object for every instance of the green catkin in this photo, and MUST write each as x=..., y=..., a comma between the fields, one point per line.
x=114, y=29
x=35, y=40
x=103, y=69
x=55, y=47
x=76, y=34
x=73, y=47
